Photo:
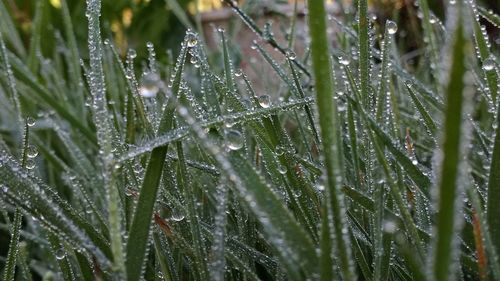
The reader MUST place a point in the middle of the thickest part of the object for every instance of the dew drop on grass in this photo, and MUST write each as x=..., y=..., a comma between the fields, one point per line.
x=60, y=254
x=282, y=169
x=291, y=55
x=389, y=226
x=234, y=140
x=489, y=64
x=264, y=101
x=279, y=150
x=149, y=85
x=238, y=73
x=191, y=39
x=132, y=54
x=30, y=121
x=392, y=27
x=31, y=151
x=344, y=60
x=30, y=164
x=177, y=215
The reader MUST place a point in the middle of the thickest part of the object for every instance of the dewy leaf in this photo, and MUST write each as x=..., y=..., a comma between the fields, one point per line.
x=364, y=50
x=141, y=223
x=294, y=248
x=330, y=135
x=449, y=173
x=52, y=211
x=104, y=135
x=10, y=265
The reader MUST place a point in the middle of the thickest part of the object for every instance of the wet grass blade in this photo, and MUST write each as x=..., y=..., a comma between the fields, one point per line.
x=141, y=223
x=10, y=264
x=8, y=28
x=294, y=248
x=36, y=36
x=364, y=50
x=443, y=254
x=329, y=132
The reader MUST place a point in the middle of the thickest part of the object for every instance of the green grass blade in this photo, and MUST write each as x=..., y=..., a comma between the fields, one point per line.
x=364, y=50
x=36, y=36
x=10, y=265
x=490, y=16
x=179, y=13
x=295, y=249
x=8, y=29
x=329, y=132
x=140, y=227
x=104, y=135
x=443, y=268
x=185, y=183
x=430, y=35
x=24, y=75
x=429, y=122
x=484, y=54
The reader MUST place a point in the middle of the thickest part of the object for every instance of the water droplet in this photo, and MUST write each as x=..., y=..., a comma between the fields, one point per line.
x=282, y=169
x=30, y=121
x=30, y=164
x=344, y=60
x=234, y=140
x=291, y=55
x=392, y=27
x=264, y=101
x=279, y=150
x=177, y=215
x=238, y=73
x=31, y=151
x=132, y=54
x=489, y=64
x=390, y=226
x=60, y=254
x=149, y=85
x=191, y=40
x=229, y=122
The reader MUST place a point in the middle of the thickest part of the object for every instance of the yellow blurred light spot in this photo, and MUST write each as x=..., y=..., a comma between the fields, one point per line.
x=56, y=3
x=191, y=8
x=127, y=16
x=119, y=36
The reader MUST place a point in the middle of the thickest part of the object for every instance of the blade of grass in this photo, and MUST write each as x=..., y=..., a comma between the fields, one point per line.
x=36, y=36
x=329, y=132
x=8, y=28
x=141, y=223
x=10, y=264
x=446, y=217
x=364, y=50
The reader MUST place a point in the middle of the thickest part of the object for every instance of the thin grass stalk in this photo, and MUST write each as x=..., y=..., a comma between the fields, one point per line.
x=329, y=131
x=104, y=135
x=364, y=50
x=10, y=264
x=447, y=204
x=140, y=227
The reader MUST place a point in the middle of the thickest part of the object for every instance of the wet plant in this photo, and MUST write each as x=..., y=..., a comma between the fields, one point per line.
x=361, y=166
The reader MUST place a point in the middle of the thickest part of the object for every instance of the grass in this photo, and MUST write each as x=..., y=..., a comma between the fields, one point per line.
x=187, y=169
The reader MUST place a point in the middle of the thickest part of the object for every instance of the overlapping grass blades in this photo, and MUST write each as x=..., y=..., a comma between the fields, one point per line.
x=211, y=176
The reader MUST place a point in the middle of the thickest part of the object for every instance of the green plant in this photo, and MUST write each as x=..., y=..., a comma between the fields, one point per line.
x=117, y=174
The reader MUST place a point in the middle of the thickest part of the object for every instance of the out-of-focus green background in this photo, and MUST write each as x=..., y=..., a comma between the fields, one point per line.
x=132, y=23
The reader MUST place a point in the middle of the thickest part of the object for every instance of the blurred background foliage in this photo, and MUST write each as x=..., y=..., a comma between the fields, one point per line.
x=132, y=23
